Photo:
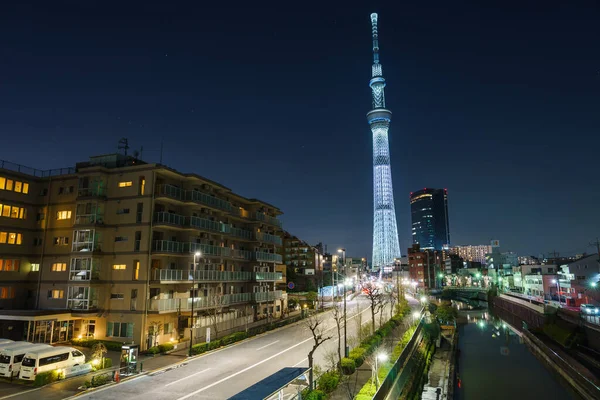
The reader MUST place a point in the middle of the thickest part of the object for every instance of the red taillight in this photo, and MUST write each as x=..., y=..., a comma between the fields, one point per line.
x=35, y=371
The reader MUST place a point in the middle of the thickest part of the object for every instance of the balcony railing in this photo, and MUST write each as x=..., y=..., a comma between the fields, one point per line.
x=267, y=257
x=266, y=296
x=206, y=250
x=175, y=275
x=241, y=233
x=214, y=202
x=268, y=238
x=89, y=219
x=205, y=224
x=259, y=216
x=268, y=276
x=91, y=192
x=185, y=304
x=170, y=191
x=169, y=218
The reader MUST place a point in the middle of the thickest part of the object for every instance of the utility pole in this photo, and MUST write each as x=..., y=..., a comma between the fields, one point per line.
x=597, y=244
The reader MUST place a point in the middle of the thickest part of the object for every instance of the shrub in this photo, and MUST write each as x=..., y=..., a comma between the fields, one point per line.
x=234, y=337
x=107, y=363
x=199, y=348
x=153, y=350
x=163, y=348
x=358, y=356
x=329, y=381
x=215, y=344
x=348, y=366
x=314, y=395
x=98, y=380
x=44, y=378
x=114, y=346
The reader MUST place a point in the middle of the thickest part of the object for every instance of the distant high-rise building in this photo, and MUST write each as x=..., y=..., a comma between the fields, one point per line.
x=429, y=211
x=471, y=253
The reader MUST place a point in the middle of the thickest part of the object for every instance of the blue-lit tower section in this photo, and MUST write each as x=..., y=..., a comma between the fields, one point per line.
x=385, y=231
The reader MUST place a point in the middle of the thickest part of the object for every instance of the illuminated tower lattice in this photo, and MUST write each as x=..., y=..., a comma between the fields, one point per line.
x=385, y=231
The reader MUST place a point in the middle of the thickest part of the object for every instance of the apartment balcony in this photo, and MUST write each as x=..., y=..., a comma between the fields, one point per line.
x=267, y=276
x=241, y=233
x=266, y=296
x=166, y=218
x=259, y=216
x=163, y=306
x=208, y=225
x=170, y=191
x=89, y=219
x=183, y=276
x=210, y=201
x=96, y=192
x=268, y=238
x=206, y=250
x=267, y=257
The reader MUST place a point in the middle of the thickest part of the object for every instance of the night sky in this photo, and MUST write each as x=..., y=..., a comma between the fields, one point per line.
x=499, y=102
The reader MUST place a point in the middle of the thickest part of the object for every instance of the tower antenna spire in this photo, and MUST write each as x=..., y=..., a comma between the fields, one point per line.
x=375, y=38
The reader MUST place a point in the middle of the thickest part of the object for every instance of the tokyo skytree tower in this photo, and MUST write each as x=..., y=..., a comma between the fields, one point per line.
x=385, y=231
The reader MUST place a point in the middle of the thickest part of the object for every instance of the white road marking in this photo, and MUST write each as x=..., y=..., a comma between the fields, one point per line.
x=242, y=371
x=187, y=377
x=306, y=359
x=260, y=348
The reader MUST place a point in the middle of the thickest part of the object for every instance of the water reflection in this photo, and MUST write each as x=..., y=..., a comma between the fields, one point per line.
x=494, y=363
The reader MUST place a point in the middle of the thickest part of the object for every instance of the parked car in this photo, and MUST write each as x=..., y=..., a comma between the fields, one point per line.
x=589, y=309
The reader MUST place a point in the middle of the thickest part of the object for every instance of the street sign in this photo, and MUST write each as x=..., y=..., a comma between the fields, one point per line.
x=291, y=285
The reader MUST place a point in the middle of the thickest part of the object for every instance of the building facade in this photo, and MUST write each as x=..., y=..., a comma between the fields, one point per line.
x=471, y=253
x=119, y=249
x=424, y=265
x=429, y=215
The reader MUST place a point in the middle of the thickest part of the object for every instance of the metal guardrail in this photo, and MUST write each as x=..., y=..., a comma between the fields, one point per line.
x=388, y=383
x=35, y=172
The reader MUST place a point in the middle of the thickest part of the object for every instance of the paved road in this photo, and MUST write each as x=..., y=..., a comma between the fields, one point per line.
x=225, y=372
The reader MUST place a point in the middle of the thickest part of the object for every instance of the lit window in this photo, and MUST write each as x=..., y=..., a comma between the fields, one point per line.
x=142, y=185
x=2, y=183
x=56, y=294
x=9, y=265
x=136, y=270
x=6, y=211
x=35, y=267
x=119, y=266
x=63, y=215
x=18, y=186
x=7, y=293
x=125, y=184
x=25, y=188
x=59, y=267
x=9, y=184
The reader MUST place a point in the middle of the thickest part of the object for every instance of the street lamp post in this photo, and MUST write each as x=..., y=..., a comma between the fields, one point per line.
x=346, y=350
x=557, y=281
x=382, y=357
x=196, y=255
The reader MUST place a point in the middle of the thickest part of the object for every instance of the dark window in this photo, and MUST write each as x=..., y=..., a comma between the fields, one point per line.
x=28, y=362
x=4, y=359
x=54, y=359
x=140, y=212
x=18, y=358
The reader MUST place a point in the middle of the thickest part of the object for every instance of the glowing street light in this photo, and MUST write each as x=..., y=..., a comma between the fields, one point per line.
x=383, y=358
x=423, y=299
x=594, y=284
x=416, y=315
x=196, y=256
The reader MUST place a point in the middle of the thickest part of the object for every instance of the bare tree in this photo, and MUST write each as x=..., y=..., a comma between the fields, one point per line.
x=384, y=300
x=338, y=317
x=217, y=301
x=154, y=330
x=375, y=296
x=315, y=324
x=392, y=299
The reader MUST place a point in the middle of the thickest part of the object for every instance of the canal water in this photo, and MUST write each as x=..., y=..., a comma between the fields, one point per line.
x=494, y=363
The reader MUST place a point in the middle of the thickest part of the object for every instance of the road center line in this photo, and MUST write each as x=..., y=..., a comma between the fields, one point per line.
x=244, y=370
x=306, y=359
x=187, y=377
x=260, y=348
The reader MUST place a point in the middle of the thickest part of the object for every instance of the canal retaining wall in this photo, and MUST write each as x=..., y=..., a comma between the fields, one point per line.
x=585, y=388
x=524, y=311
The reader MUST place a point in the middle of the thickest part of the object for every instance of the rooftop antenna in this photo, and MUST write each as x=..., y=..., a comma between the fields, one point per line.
x=123, y=145
x=161, y=150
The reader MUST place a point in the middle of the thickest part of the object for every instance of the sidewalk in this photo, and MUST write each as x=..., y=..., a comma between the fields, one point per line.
x=350, y=385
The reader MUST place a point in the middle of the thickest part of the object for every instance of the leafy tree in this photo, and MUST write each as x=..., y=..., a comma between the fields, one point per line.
x=446, y=313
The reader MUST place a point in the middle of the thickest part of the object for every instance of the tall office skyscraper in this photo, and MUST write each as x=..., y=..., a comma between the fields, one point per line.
x=385, y=232
x=429, y=212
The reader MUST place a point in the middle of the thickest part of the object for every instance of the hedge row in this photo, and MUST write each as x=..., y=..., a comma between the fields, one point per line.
x=358, y=354
x=161, y=348
x=114, y=346
x=237, y=336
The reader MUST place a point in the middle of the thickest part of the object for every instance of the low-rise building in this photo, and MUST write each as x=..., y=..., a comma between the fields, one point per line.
x=424, y=267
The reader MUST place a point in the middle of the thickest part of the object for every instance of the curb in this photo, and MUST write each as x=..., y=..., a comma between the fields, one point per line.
x=174, y=365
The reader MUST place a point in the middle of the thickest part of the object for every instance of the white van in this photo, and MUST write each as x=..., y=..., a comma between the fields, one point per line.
x=39, y=361
x=11, y=357
x=11, y=344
